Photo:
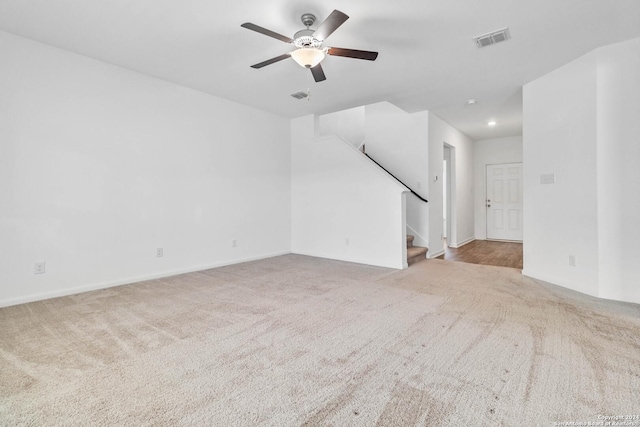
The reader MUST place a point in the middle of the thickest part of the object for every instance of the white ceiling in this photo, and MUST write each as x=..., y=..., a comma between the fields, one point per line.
x=427, y=61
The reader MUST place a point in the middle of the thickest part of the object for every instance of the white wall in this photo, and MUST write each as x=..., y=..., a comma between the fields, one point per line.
x=418, y=220
x=559, y=137
x=618, y=153
x=411, y=147
x=399, y=142
x=343, y=207
x=99, y=166
x=347, y=124
x=490, y=152
x=462, y=183
x=581, y=123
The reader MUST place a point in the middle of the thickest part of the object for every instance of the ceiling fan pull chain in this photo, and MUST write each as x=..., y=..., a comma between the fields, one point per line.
x=309, y=82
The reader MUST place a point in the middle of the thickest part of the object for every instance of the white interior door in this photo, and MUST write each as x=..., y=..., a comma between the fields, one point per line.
x=504, y=202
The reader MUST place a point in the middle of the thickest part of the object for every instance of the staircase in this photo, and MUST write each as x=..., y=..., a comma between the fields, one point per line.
x=414, y=253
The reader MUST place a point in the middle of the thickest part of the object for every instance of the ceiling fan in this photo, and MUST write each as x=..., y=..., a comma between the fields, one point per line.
x=309, y=50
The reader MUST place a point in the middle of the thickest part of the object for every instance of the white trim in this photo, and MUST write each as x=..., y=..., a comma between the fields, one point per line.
x=128, y=281
x=553, y=281
x=403, y=243
x=436, y=255
x=550, y=281
x=469, y=240
x=415, y=234
x=351, y=260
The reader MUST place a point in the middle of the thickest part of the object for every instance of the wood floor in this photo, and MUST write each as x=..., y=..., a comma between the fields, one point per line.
x=503, y=254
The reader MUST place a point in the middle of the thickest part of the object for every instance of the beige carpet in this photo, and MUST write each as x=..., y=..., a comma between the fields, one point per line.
x=299, y=341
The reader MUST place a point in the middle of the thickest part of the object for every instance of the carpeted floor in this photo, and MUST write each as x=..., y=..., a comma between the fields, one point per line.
x=300, y=341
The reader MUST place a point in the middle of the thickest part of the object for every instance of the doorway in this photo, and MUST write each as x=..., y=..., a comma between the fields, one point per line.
x=503, y=254
x=504, y=202
x=447, y=194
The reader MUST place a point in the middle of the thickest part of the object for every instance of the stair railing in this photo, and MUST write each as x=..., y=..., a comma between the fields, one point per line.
x=395, y=177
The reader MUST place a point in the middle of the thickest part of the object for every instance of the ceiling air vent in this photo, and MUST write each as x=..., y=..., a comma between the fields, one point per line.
x=299, y=95
x=492, y=37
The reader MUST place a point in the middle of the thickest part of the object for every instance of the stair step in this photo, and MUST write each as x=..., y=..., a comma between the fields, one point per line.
x=410, y=240
x=416, y=250
x=415, y=254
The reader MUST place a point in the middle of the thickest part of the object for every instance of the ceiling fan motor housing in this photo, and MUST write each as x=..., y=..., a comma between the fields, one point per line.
x=305, y=39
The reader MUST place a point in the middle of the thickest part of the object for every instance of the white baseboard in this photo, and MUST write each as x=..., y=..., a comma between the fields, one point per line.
x=111, y=283
x=436, y=254
x=574, y=288
x=353, y=260
x=556, y=282
x=464, y=242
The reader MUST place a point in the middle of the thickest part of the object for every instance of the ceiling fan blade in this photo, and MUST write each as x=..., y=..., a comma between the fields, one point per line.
x=353, y=53
x=333, y=21
x=318, y=73
x=258, y=29
x=271, y=61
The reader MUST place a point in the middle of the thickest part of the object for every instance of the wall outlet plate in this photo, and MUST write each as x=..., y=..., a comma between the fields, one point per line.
x=159, y=252
x=39, y=267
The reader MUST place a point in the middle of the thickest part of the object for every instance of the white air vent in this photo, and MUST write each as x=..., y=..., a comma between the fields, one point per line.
x=299, y=95
x=484, y=41
x=492, y=37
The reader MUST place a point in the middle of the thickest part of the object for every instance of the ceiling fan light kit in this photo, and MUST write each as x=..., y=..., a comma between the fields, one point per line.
x=309, y=52
x=308, y=57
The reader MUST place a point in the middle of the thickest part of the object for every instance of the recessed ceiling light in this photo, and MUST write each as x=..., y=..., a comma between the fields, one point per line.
x=491, y=123
x=471, y=102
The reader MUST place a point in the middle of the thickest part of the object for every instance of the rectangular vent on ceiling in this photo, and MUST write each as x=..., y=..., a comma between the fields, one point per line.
x=492, y=37
x=299, y=95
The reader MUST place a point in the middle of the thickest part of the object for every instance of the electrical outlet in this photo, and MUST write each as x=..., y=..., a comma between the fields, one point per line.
x=234, y=243
x=346, y=242
x=38, y=267
x=548, y=178
x=572, y=260
x=159, y=252
x=419, y=184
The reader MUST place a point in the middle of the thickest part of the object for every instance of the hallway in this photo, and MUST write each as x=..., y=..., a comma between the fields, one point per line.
x=487, y=252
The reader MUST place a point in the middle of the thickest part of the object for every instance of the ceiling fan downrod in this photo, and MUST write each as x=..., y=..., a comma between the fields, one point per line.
x=308, y=19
